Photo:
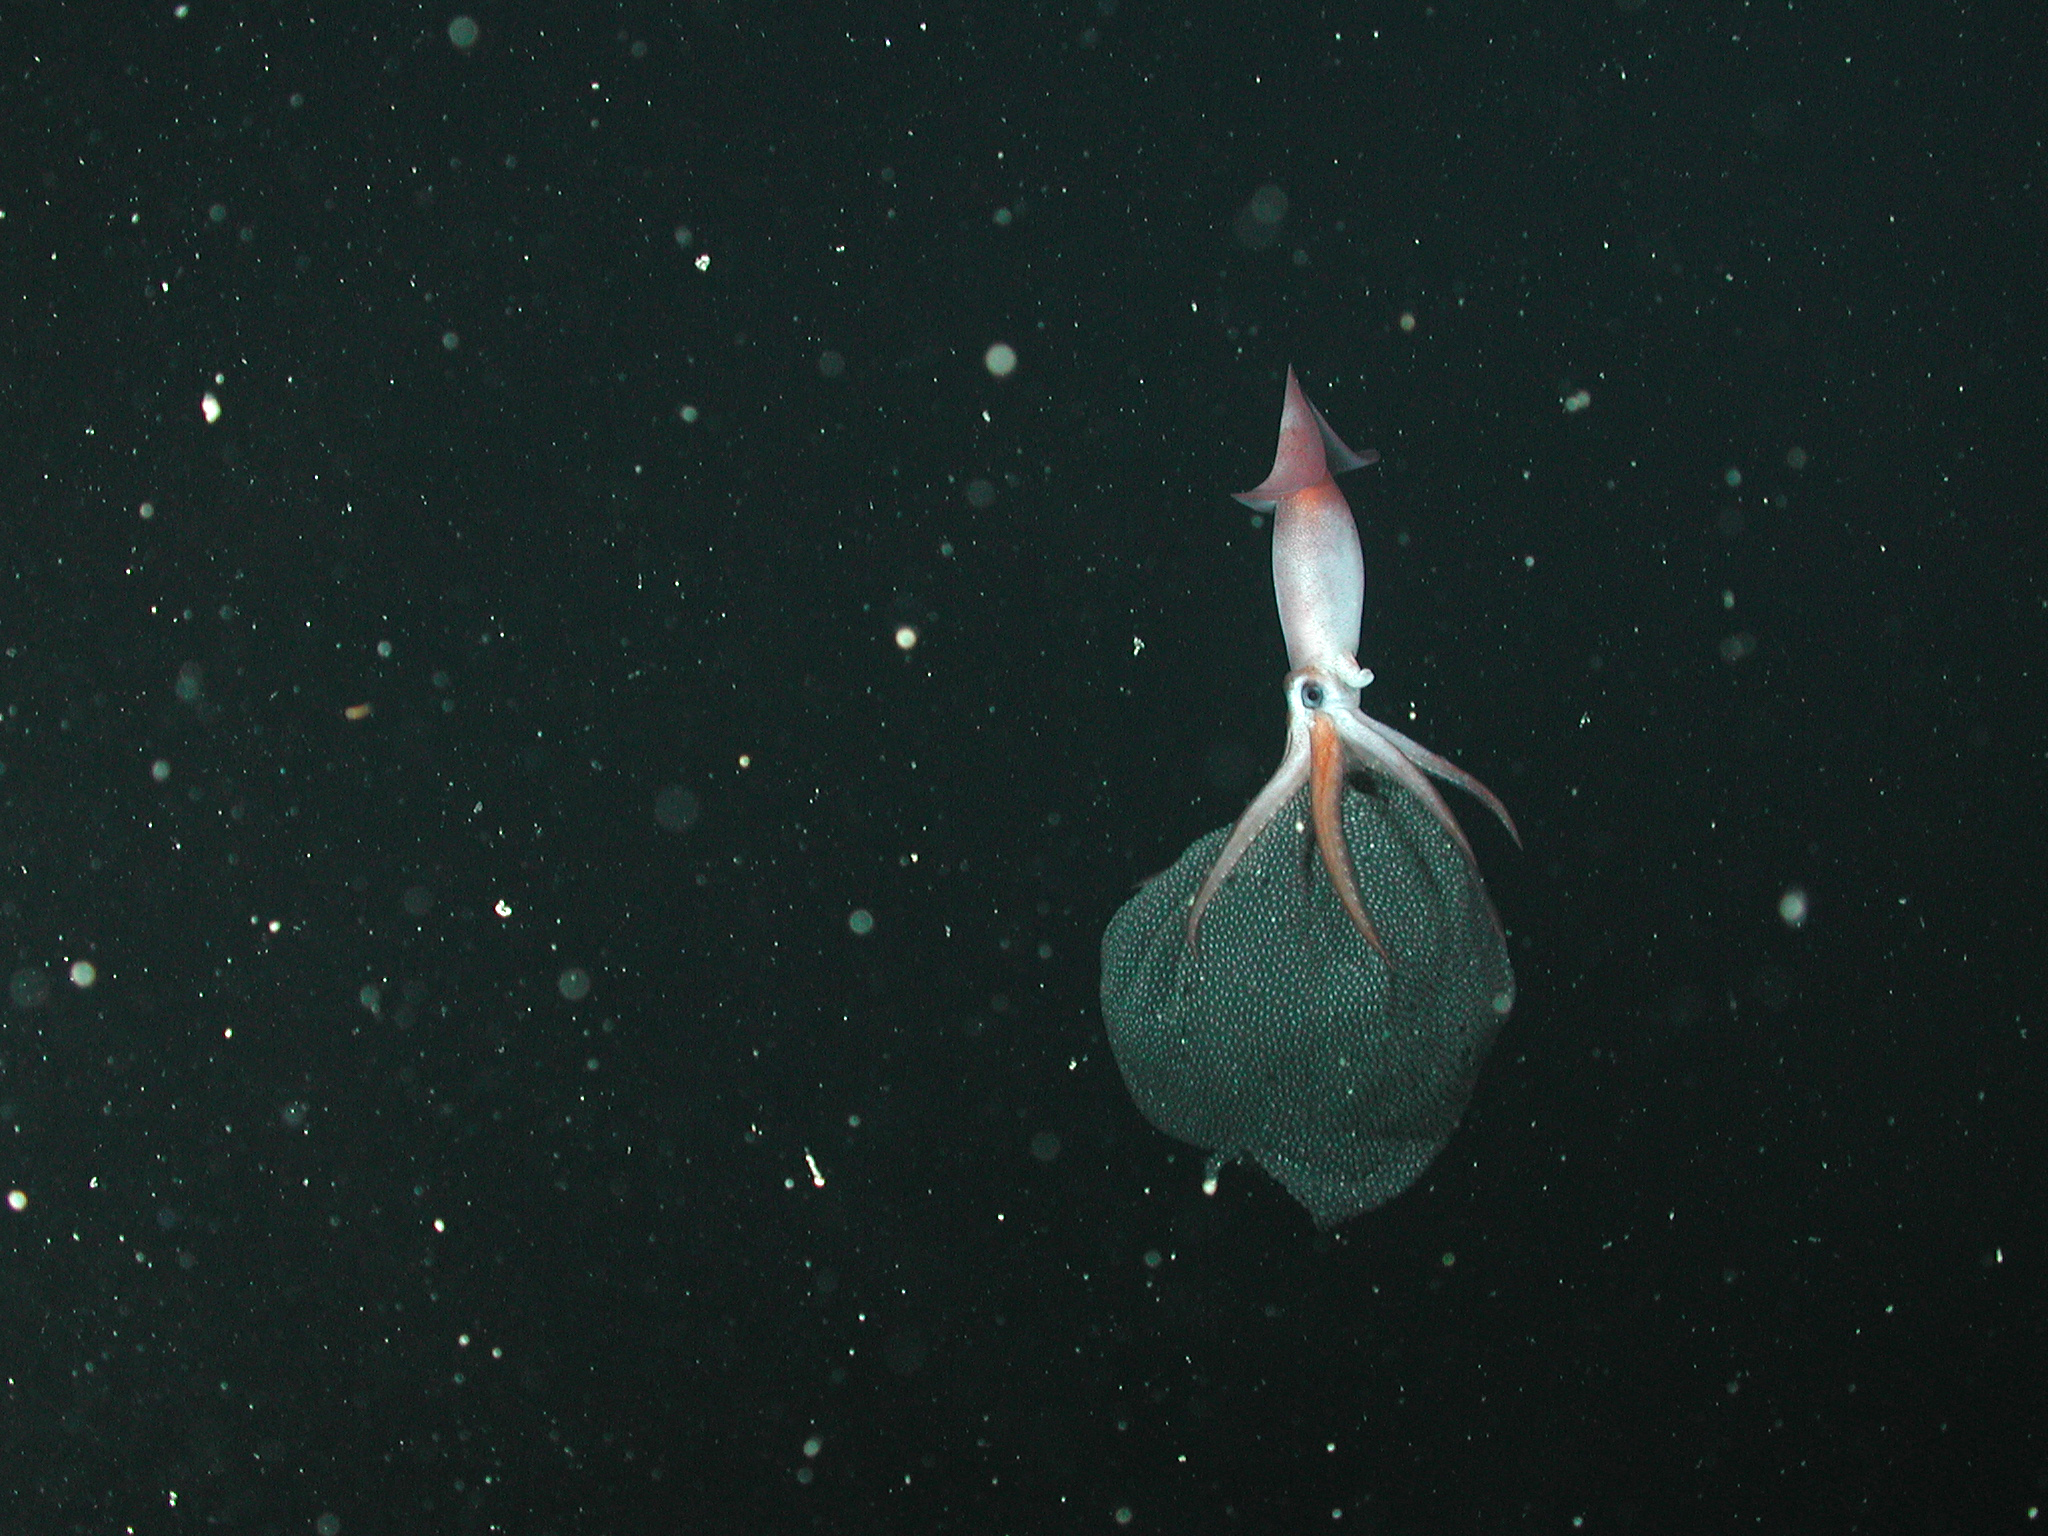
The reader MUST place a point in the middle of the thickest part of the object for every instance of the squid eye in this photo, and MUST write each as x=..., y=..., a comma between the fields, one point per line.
x=1312, y=695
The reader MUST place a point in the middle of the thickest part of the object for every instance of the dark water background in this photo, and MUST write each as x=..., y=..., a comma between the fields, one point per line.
x=598, y=400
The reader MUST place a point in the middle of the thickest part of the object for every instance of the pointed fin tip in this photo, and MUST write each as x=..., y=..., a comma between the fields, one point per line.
x=1309, y=451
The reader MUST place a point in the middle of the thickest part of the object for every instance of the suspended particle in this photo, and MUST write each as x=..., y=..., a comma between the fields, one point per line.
x=573, y=984
x=860, y=922
x=1000, y=359
x=28, y=987
x=906, y=638
x=677, y=809
x=1256, y=224
x=1268, y=205
x=1793, y=907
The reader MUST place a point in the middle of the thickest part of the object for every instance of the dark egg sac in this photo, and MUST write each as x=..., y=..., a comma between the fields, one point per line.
x=1280, y=1036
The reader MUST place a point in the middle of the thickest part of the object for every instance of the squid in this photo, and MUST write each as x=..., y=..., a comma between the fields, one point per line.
x=1319, y=583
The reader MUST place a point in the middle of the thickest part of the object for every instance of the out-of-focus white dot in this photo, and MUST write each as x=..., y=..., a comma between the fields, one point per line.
x=831, y=364
x=463, y=32
x=860, y=922
x=573, y=984
x=1000, y=359
x=160, y=770
x=1795, y=458
x=146, y=511
x=677, y=809
x=83, y=974
x=1731, y=477
x=906, y=637
x=1407, y=322
x=812, y=1446
x=1577, y=401
x=209, y=407
x=687, y=413
x=685, y=235
x=450, y=341
x=17, y=1200
x=1793, y=907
